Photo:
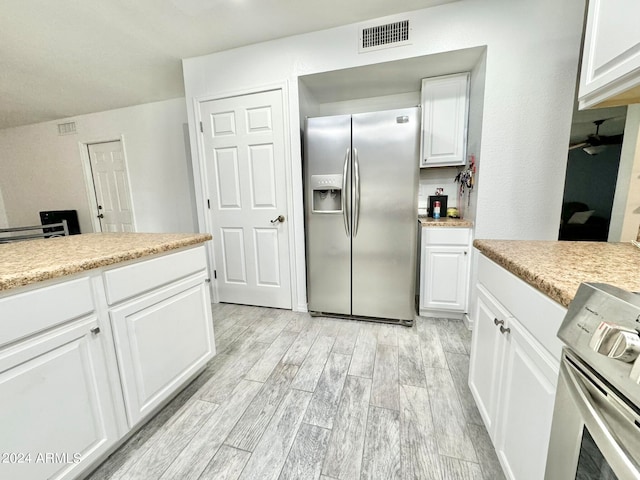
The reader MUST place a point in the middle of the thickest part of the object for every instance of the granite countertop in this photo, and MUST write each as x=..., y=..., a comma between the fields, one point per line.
x=23, y=263
x=558, y=268
x=444, y=222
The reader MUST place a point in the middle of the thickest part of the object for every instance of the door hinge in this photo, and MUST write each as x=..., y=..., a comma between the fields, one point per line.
x=201, y=127
x=215, y=274
x=208, y=204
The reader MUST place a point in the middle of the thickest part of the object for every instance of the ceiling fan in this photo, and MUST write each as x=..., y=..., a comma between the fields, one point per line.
x=596, y=143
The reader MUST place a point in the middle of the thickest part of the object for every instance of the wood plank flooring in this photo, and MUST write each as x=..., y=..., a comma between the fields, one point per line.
x=294, y=397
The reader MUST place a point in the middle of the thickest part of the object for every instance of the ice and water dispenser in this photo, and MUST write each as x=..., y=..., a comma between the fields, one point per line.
x=327, y=193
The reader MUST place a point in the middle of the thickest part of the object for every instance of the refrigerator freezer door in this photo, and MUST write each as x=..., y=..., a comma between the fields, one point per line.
x=327, y=213
x=386, y=150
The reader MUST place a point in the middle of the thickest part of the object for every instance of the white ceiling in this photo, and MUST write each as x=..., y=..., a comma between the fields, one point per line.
x=68, y=57
x=582, y=123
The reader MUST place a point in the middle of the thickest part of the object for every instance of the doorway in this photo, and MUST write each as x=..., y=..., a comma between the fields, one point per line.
x=245, y=174
x=592, y=173
x=111, y=191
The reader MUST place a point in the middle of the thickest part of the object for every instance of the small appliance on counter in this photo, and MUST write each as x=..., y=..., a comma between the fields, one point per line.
x=437, y=198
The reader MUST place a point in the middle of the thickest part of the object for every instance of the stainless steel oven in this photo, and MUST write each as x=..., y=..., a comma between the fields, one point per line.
x=595, y=434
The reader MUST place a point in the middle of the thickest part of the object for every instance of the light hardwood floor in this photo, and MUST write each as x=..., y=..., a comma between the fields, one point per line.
x=294, y=397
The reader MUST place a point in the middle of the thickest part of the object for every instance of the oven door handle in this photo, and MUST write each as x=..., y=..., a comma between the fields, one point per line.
x=617, y=457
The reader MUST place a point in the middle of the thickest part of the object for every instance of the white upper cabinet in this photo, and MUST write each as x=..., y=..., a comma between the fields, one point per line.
x=445, y=105
x=611, y=59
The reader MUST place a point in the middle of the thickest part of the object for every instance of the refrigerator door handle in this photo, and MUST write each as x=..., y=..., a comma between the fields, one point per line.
x=356, y=177
x=345, y=213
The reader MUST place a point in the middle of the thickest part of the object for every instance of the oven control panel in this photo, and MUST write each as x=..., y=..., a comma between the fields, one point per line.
x=616, y=342
x=602, y=327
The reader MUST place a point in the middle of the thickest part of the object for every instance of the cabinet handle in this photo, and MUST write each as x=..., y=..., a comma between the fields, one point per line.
x=465, y=252
x=498, y=322
x=504, y=330
x=95, y=330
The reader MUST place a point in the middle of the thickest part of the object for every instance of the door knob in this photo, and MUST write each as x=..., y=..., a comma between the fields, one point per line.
x=504, y=330
x=101, y=215
x=279, y=219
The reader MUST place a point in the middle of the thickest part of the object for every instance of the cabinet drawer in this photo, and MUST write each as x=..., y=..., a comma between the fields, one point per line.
x=540, y=315
x=31, y=312
x=131, y=280
x=445, y=236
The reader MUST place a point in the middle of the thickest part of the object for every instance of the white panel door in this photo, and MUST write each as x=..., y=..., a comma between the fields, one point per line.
x=245, y=175
x=111, y=183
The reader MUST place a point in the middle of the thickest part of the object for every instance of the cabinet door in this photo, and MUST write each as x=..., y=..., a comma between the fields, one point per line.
x=525, y=406
x=56, y=409
x=485, y=364
x=611, y=58
x=444, y=282
x=161, y=340
x=444, y=120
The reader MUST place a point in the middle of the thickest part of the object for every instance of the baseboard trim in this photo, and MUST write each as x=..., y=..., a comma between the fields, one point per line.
x=441, y=314
x=468, y=322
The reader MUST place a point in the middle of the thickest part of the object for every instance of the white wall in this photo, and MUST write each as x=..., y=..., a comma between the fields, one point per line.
x=531, y=68
x=43, y=171
x=440, y=177
x=371, y=104
x=477, y=84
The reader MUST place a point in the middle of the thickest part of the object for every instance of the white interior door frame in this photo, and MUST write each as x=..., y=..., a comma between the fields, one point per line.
x=202, y=193
x=90, y=188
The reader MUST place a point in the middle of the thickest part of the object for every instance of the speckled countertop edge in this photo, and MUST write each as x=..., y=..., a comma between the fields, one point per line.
x=28, y=262
x=444, y=222
x=557, y=268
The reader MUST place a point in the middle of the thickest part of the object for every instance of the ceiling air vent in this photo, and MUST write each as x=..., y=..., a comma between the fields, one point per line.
x=68, y=128
x=384, y=36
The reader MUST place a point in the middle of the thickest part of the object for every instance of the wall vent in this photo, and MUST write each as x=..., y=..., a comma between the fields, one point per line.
x=384, y=36
x=68, y=128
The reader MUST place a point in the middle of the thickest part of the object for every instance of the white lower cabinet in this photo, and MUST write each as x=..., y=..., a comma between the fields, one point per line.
x=487, y=352
x=445, y=278
x=444, y=271
x=525, y=405
x=161, y=340
x=56, y=406
x=73, y=366
x=512, y=375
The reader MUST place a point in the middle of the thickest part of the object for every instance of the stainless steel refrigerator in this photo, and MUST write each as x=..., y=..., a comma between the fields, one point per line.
x=361, y=180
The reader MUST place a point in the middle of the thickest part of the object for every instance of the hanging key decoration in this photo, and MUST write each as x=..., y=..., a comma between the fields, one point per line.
x=466, y=180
